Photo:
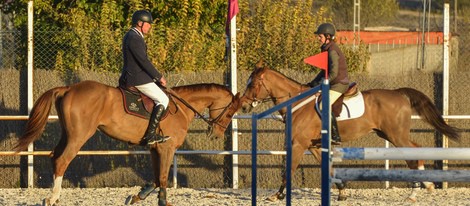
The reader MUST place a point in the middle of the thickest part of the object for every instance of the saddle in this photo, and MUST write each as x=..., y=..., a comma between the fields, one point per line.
x=337, y=107
x=137, y=103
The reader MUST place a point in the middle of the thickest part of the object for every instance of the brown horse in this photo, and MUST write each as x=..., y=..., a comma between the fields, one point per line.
x=86, y=106
x=387, y=113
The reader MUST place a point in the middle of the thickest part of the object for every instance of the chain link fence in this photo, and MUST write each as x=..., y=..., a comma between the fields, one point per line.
x=385, y=70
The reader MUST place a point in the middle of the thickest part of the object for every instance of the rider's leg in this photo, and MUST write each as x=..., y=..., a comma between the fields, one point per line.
x=335, y=137
x=161, y=102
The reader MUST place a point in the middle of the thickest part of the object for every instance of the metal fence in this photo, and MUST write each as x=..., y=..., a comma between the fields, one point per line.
x=99, y=171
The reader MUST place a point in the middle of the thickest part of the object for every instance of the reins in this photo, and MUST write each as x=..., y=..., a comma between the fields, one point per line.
x=209, y=122
x=215, y=120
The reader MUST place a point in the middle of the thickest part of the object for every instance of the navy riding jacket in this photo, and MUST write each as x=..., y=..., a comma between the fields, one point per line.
x=137, y=68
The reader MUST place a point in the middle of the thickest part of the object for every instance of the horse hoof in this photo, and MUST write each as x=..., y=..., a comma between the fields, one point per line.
x=47, y=202
x=412, y=199
x=430, y=188
x=131, y=199
x=162, y=202
x=272, y=198
x=342, y=198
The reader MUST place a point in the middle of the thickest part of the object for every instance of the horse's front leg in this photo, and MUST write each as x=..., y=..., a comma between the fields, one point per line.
x=162, y=163
x=146, y=190
x=297, y=154
x=142, y=195
x=149, y=188
x=342, y=195
x=280, y=194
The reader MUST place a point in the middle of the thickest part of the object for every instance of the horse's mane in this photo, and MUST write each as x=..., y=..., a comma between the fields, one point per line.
x=278, y=72
x=202, y=86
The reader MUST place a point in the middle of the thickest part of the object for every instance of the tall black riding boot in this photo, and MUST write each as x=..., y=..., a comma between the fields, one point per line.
x=151, y=136
x=335, y=138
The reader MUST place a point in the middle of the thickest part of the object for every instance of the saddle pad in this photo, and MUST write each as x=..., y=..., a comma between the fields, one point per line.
x=352, y=107
x=134, y=105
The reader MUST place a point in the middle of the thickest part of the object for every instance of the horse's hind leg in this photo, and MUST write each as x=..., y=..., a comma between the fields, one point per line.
x=418, y=165
x=412, y=164
x=57, y=185
x=416, y=186
x=61, y=157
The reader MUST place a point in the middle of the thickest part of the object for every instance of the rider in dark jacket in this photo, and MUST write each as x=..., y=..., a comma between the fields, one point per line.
x=337, y=71
x=140, y=73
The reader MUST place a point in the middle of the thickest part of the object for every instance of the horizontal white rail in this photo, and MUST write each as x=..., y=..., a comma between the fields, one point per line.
x=55, y=117
x=145, y=152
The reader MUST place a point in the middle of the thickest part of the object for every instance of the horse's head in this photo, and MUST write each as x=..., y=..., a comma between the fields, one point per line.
x=223, y=117
x=256, y=90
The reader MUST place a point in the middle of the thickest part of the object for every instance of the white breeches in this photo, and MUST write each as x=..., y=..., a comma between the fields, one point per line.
x=155, y=93
x=334, y=95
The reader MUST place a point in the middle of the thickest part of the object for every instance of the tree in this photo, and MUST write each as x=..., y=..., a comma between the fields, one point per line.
x=189, y=35
x=93, y=30
x=373, y=12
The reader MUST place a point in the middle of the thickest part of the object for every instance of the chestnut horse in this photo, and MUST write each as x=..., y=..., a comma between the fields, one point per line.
x=86, y=106
x=387, y=113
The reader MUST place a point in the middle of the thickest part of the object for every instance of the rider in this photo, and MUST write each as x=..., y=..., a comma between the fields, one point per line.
x=140, y=73
x=337, y=71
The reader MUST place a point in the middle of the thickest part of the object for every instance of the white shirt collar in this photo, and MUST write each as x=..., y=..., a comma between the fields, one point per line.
x=138, y=32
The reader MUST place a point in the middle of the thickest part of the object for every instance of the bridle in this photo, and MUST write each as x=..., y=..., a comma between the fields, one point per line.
x=216, y=119
x=255, y=101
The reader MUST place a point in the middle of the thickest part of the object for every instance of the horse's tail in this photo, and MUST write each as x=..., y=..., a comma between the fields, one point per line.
x=38, y=117
x=423, y=105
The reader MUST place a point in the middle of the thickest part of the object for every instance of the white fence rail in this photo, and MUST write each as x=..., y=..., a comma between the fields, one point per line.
x=178, y=152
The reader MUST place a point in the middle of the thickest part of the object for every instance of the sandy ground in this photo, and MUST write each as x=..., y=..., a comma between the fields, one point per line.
x=217, y=197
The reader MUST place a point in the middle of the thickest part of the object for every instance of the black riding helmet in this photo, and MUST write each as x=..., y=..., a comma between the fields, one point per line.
x=326, y=28
x=141, y=15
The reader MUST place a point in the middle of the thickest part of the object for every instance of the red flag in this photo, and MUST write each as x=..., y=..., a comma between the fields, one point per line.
x=319, y=60
x=232, y=11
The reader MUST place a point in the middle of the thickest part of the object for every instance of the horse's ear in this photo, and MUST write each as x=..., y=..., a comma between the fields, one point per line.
x=260, y=64
x=236, y=98
x=237, y=95
x=237, y=101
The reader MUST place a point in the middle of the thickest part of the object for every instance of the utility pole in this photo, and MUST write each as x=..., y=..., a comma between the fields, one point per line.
x=357, y=21
x=455, y=15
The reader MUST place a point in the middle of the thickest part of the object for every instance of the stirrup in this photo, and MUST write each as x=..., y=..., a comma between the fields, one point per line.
x=335, y=141
x=159, y=139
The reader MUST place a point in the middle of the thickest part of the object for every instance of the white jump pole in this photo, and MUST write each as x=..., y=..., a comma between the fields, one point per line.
x=401, y=153
x=350, y=174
